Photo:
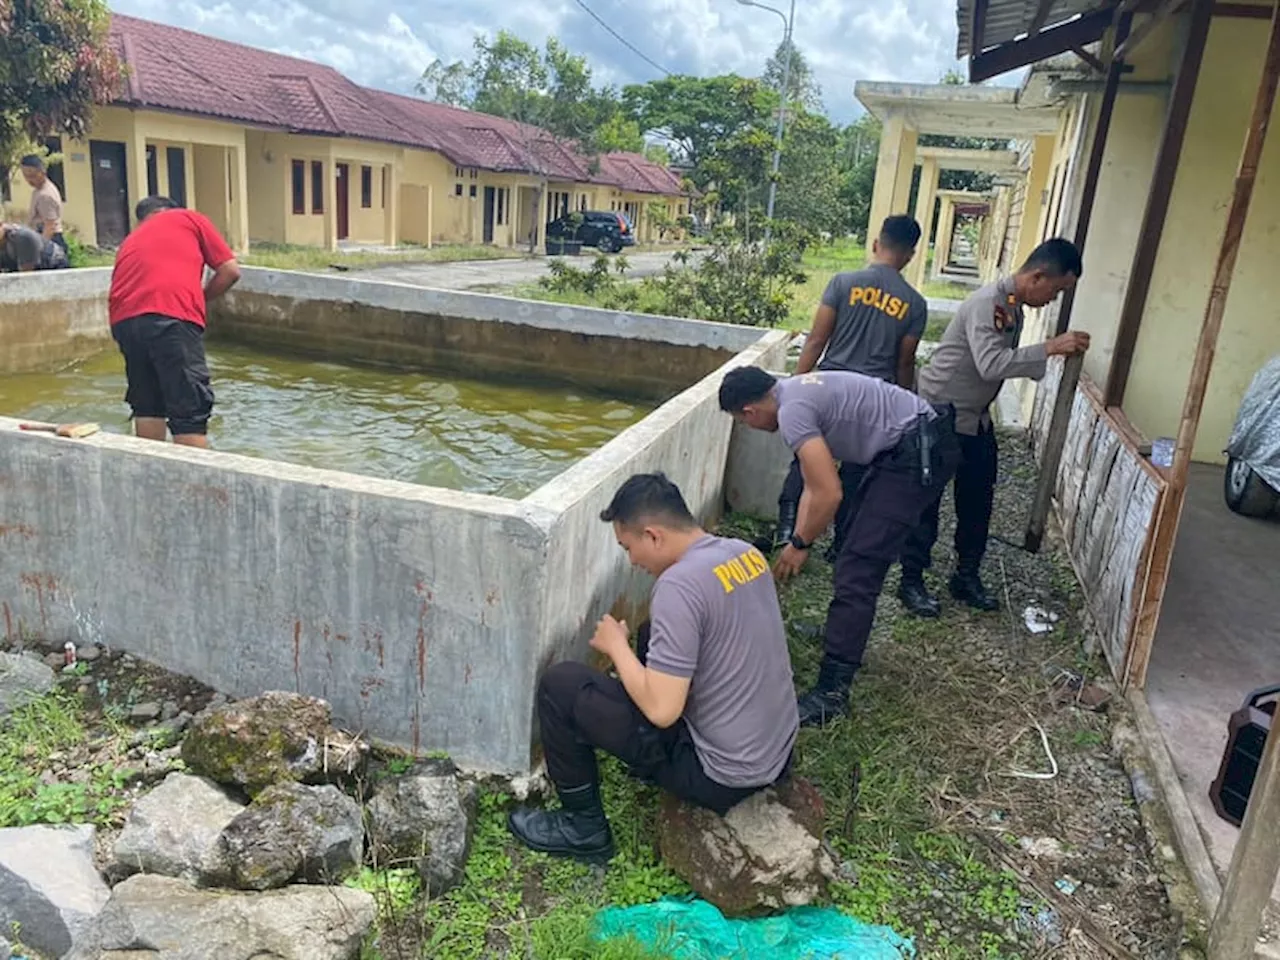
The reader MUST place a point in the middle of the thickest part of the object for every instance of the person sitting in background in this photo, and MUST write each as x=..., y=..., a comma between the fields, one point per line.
x=156, y=308
x=23, y=250
x=45, y=215
x=707, y=711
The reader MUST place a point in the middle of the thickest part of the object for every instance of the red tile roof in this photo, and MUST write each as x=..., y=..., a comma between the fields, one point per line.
x=175, y=69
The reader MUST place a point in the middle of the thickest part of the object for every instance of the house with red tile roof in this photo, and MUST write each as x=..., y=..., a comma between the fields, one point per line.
x=279, y=150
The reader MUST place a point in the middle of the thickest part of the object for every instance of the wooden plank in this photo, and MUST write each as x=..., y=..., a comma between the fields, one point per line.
x=1157, y=206
x=1065, y=387
x=1171, y=509
x=1080, y=32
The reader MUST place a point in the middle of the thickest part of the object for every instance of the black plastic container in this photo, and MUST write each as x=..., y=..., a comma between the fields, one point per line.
x=1247, y=735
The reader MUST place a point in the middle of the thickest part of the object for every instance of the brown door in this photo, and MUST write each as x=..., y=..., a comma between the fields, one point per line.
x=110, y=192
x=344, y=192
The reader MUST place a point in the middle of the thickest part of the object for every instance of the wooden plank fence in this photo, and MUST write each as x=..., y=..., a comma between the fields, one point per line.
x=1108, y=496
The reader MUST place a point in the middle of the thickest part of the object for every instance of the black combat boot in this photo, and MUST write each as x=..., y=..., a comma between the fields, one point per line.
x=578, y=829
x=966, y=586
x=916, y=598
x=787, y=512
x=829, y=698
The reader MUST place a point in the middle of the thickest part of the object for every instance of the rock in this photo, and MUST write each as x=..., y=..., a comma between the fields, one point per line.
x=6, y=950
x=764, y=855
x=175, y=831
x=55, y=661
x=21, y=681
x=145, y=712
x=48, y=885
x=257, y=742
x=168, y=710
x=88, y=652
x=425, y=817
x=293, y=832
x=159, y=918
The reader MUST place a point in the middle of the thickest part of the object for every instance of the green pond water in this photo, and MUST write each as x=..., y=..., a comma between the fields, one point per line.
x=487, y=437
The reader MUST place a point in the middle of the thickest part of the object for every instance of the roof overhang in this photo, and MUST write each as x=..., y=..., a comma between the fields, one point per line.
x=997, y=113
x=997, y=36
x=972, y=161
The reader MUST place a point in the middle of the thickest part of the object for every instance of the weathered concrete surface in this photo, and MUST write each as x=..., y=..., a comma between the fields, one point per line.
x=474, y=334
x=758, y=465
x=422, y=615
x=51, y=317
x=688, y=439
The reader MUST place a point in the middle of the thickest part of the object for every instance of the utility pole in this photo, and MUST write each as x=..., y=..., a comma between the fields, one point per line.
x=787, y=24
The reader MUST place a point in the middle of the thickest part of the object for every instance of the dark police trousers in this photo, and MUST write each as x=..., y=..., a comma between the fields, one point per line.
x=975, y=485
x=888, y=507
x=581, y=709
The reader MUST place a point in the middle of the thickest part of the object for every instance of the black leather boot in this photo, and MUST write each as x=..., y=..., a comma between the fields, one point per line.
x=787, y=512
x=916, y=598
x=966, y=586
x=829, y=698
x=578, y=829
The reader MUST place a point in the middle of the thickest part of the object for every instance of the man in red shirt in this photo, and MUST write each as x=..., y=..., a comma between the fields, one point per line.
x=157, y=314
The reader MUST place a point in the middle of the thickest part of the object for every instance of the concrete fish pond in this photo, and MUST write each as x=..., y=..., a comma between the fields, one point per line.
x=422, y=613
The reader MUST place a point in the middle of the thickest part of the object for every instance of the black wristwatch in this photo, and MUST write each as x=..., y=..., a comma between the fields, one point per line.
x=796, y=541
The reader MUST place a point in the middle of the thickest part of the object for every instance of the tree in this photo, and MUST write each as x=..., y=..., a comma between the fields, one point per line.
x=810, y=181
x=858, y=154
x=802, y=88
x=446, y=83
x=56, y=64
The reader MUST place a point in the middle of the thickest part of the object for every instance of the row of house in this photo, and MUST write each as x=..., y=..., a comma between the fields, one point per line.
x=280, y=150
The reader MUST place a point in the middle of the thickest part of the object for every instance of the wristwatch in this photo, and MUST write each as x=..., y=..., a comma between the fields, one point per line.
x=796, y=541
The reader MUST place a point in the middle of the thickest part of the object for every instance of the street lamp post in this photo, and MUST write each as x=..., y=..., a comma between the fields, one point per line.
x=787, y=23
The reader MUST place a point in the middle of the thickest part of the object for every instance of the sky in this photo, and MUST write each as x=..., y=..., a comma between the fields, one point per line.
x=387, y=44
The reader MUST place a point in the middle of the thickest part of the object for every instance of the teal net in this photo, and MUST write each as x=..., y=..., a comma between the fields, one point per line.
x=696, y=930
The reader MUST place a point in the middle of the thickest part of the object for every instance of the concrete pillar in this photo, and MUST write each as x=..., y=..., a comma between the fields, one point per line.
x=331, y=203
x=1036, y=204
x=897, y=154
x=136, y=170
x=391, y=213
x=431, y=216
x=924, y=216
x=238, y=215
x=543, y=214
x=946, y=230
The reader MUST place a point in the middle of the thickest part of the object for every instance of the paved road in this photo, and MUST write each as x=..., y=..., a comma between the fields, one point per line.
x=495, y=275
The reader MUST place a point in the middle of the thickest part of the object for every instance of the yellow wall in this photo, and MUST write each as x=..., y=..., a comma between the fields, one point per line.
x=1184, y=266
x=268, y=173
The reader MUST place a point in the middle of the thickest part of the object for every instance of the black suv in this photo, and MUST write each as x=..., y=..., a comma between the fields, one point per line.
x=609, y=232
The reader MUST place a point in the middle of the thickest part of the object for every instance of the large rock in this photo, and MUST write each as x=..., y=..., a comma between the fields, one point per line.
x=159, y=918
x=21, y=681
x=255, y=743
x=764, y=855
x=48, y=885
x=174, y=830
x=292, y=832
x=426, y=819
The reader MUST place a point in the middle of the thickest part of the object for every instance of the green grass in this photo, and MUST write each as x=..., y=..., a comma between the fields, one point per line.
x=292, y=257
x=32, y=739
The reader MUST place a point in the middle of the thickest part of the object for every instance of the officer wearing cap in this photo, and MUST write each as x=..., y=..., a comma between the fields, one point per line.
x=977, y=353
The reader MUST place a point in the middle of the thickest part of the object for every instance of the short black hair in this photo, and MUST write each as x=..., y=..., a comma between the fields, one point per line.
x=744, y=385
x=648, y=496
x=32, y=160
x=1057, y=257
x=900, y=232
x=149, y=205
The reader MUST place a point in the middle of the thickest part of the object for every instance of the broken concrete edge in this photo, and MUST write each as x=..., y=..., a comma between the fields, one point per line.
x=1189, y=878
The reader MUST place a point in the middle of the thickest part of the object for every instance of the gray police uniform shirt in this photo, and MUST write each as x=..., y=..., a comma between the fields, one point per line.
x=859, y=417
x=977, y=353
x=875, y=308
x=714, y=618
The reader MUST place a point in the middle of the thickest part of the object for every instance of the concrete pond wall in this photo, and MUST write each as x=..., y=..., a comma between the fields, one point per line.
x=423, y=615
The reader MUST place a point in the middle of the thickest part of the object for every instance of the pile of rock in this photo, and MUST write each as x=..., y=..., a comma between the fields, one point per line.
x=245, y=854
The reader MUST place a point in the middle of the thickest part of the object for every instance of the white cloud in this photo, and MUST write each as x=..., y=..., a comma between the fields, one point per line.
x=907, y=40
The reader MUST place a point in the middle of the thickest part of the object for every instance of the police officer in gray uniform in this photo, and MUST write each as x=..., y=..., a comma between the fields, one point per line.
x=870, y=321
x=978, y=352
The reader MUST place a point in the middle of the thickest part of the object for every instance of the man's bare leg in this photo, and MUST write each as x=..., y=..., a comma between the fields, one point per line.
x=192, y=440
x=149, y=428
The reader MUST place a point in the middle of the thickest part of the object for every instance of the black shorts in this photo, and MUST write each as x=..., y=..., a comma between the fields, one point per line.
x=165, y=365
